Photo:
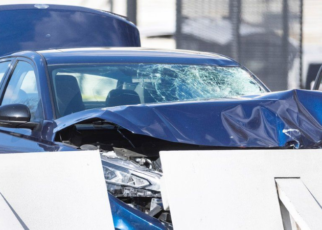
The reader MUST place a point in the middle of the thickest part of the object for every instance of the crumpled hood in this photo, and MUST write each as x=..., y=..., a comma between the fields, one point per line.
x=269, y=120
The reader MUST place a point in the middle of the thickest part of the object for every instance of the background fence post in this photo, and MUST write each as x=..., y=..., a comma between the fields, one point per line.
x=132, y=11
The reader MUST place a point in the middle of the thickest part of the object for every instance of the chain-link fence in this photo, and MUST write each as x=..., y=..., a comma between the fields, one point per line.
x=263, y=35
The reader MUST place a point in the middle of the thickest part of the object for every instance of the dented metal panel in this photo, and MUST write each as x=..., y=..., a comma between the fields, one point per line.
x=273, y=120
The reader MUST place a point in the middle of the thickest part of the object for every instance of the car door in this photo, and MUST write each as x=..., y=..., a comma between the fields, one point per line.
x=19, y=86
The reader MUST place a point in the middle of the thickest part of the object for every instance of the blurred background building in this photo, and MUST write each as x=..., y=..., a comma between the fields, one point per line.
x=278, y=40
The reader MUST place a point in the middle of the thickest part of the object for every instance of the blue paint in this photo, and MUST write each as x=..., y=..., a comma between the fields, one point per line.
x=58, y=27
x=128, y=218
x=256, y=122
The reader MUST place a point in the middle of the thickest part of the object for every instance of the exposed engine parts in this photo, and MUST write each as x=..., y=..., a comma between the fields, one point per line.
x=131, y=163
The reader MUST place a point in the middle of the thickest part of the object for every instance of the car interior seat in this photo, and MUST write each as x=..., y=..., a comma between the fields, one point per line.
x=68, y=94
x=122, y=97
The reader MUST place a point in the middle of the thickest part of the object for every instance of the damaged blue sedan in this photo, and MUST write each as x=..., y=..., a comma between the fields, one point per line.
x=128, y=103
x=132, y=103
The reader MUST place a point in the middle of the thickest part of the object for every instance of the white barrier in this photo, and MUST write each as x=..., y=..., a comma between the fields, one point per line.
x=237, y=189
x=53, y=190
x=303, y=211
x=8, y=219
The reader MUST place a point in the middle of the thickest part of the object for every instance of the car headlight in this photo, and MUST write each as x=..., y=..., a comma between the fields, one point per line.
x=114, y=176
x=128, y=179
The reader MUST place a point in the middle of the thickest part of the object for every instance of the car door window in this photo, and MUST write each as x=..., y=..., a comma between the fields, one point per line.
x=22, y=89
x=3, y=69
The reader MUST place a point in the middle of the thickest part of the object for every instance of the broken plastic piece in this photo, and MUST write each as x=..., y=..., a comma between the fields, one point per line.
x=156, y=210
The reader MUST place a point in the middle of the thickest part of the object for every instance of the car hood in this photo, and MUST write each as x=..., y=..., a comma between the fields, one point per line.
x=280, y=119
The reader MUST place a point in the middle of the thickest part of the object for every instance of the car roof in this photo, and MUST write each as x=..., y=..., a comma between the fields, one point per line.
x=41, y=26
x=133, y=55
x=59, y=7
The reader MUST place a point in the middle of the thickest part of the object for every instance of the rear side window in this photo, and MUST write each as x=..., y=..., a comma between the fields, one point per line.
x=3, y=69
x=22, y=89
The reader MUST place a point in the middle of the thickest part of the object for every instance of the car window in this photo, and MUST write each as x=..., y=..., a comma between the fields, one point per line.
x=3, y=69
x=22, y=89
x=80, y=87
x=76, y=91
x=94, y=88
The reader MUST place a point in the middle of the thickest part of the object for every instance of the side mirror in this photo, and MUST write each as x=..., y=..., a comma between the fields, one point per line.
x=16, y=116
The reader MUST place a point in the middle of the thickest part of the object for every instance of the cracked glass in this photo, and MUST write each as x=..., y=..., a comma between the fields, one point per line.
x=98, y=86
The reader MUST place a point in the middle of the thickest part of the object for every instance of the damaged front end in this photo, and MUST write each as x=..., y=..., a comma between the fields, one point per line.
x=133, y=179
x=132, y=170
x=130, y=138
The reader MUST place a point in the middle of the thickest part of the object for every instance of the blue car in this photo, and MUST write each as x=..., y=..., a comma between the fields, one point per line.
x=132, y=103
x=108, y=99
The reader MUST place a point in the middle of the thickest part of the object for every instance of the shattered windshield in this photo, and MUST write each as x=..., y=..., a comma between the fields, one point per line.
x=83, y=87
